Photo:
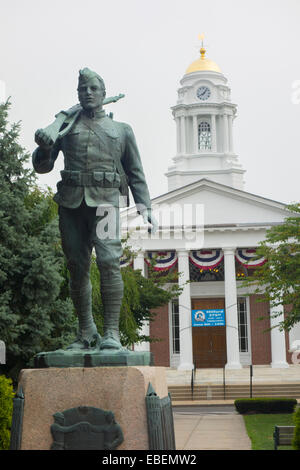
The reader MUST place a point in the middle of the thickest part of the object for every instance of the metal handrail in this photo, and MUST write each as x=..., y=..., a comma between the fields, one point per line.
x=193, y=376
x=251, y=375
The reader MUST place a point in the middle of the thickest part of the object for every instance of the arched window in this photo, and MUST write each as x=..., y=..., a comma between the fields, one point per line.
x=204, y=136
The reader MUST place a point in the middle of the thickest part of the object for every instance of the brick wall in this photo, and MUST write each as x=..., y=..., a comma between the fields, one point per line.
x=260, y=339
x=159, y=328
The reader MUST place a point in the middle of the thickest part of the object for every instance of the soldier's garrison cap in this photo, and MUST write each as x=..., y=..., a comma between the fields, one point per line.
x=86, y=74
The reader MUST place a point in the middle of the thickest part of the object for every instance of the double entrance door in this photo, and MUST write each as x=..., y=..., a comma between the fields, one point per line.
x=209, y=342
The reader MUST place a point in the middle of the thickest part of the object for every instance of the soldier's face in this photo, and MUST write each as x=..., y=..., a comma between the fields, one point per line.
x=91, y=94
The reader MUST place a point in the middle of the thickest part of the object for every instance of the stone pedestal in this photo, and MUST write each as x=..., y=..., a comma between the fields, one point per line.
x=121, y=390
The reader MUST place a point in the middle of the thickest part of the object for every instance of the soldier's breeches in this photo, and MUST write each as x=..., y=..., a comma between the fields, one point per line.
x=78, y=229
x=77, y=247
x=79, y=235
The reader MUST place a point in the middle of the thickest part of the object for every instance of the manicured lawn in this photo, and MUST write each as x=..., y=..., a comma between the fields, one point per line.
x=260, y=428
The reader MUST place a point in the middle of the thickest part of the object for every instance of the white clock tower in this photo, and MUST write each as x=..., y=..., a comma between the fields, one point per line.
x=204, y=117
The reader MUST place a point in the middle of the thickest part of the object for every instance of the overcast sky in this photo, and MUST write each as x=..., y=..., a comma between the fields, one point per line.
x=142, y=48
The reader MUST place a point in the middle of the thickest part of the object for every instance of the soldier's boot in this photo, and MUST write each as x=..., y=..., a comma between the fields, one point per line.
x=87, y=335
x=112, y=301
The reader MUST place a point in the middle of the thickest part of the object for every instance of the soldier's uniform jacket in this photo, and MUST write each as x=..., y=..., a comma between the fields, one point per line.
x=101, y=157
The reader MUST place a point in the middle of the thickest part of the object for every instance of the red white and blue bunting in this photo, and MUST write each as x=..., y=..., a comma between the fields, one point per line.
x=125, y=261
x=165, y=259
x=246, y=257
x=203, y=259
x=206, y=259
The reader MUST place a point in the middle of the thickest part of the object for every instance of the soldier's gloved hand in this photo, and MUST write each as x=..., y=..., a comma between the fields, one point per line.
x=148, y=217
x=43, y=138
x=47, y=137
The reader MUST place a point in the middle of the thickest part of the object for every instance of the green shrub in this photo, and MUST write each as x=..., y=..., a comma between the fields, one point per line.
x=265, y=405
x=6, y=408
x=296, y=440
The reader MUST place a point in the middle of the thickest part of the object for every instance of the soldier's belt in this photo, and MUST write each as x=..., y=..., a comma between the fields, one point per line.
x=104, y=179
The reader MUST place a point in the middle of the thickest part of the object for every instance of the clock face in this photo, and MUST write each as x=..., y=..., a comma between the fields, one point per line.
x=203, y=93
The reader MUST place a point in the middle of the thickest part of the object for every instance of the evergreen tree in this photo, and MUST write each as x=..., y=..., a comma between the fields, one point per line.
x=34, y=316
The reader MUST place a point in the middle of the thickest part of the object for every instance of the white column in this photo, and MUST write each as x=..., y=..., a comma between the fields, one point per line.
x=178, y=131
x=277, y=339
x=232, y=332
x=225, y=133
x=213, y=133
x=230, y=133
x=139, y=263
x=195, y=134
x=185, y=316
x=183, y=140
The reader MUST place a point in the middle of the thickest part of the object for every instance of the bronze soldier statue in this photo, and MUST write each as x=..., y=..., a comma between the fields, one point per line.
x=101, y=159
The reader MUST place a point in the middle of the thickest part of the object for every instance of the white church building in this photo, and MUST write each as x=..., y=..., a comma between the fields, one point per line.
x=209, y=228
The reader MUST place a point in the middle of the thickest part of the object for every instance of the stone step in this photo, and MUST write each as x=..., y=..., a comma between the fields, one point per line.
x=229, y=395
x=181, y=393
x=226, y=397
x=236, y=386
x=236, y=391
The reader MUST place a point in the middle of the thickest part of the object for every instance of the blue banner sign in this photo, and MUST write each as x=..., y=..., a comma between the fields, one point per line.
x=211, y=317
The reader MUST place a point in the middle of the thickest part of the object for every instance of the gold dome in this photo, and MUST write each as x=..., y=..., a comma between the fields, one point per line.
x=202, y=64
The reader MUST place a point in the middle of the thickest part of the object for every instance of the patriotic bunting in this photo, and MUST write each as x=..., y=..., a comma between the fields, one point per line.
x=125, y=261
x=206, y=259
x=246, y=258
x=165, y=259
x=203, y=259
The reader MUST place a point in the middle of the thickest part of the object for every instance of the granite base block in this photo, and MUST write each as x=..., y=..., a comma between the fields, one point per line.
x=121, y=390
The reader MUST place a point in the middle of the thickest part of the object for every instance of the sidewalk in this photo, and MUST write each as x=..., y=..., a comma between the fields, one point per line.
x=210, y=432
x=220, y=431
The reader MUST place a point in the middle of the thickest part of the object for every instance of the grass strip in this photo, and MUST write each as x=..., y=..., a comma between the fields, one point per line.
x=260, y=429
